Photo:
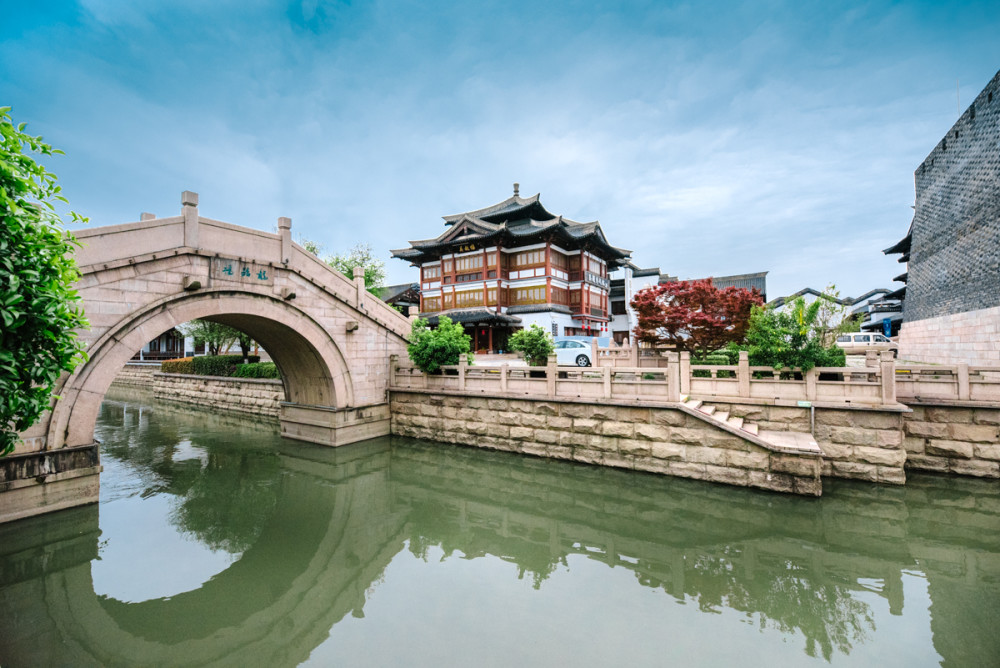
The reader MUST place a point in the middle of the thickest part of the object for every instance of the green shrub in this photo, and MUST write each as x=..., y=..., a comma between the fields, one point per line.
x=713, y=359
x=256, y=370
x=535, y=343
x=183, y=365
x=430, y=349
x=219, y=365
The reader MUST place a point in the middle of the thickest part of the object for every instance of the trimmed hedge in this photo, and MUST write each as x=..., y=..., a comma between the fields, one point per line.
x=256, y=370
x=183, y=365
x=209, y=365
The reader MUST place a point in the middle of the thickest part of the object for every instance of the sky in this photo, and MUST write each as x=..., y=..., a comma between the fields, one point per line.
x=710, y=138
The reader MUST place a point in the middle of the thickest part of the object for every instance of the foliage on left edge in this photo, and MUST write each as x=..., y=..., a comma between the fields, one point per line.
x=40, y=312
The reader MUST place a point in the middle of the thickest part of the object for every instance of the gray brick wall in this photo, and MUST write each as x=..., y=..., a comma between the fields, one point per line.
x=955, y=253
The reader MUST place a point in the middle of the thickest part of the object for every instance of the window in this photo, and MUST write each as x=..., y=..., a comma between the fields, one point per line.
x=432, y=304
x=862, y=338
x=844, y=339
x=432, y=272
x=618, y=308
x=530, y=259
x=468, y=263
x=555, y=329
x=559, y=260
x=559, y=345
x=468, y=298
x=446, y=266
x=529, y=295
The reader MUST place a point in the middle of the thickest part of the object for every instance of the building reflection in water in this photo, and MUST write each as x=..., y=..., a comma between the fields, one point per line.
x=311, y=531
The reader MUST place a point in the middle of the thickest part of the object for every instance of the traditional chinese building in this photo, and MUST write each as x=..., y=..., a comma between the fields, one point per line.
x=515, y=264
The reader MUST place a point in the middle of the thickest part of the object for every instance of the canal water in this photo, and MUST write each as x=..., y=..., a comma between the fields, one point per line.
x=218, y=543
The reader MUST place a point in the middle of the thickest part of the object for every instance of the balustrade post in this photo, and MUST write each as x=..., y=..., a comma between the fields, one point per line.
x=887, y=367
x=189, y=209
x=811, y=377
x=551, y=371
x=673, y=376
x=393, y=363
x=595, y=353
x=871, y=358
x=503, y=376
x=743, y=373
x=633, y=354
x=359, y=286
x=607, y=381
x=285, y=232
x=964, y=391
x=685, y=373
x=463, y=364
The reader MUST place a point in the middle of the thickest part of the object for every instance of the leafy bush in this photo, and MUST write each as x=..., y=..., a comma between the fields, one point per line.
x=40, y=311
x=535, y=343
x=714, y=359
x=256, y=370
x=219, y=365
x=183, y=365
x=790, y=338
x=430, y=349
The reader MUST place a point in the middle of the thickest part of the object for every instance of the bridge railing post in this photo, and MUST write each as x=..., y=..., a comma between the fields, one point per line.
x=463, y=364
x=393, y=363
x=189, y=209
x=285, y=231
x=551, y=373
x=359, y=285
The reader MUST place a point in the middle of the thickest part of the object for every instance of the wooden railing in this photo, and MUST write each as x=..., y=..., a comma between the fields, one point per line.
x=862, y=386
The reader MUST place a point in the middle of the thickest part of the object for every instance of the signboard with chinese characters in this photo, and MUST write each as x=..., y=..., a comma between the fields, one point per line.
x=242, y=272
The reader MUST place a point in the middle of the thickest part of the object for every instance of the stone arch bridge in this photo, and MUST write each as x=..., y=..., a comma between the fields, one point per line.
x=329, y=337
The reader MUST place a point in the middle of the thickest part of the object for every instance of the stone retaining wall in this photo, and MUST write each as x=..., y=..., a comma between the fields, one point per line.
x=953, y=439
x=663, y=440
x=240, y=395
x=137, y=374
x=859, y=444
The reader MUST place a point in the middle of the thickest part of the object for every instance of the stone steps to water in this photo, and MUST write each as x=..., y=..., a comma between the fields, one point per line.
x=780, y=440
x=736, y=422
x=750, y=427
x=790, y=440
x=707, y=409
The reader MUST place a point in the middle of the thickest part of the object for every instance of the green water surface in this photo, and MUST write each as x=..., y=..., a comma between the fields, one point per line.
x=216, y=542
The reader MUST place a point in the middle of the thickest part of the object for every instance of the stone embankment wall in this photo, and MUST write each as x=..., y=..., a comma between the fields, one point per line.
x=138, y=374
x=659, y=439
x=953, y=439
x=859, y=444
x=240, y=395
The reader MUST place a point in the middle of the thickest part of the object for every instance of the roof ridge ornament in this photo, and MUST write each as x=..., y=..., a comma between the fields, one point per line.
x=516, y=188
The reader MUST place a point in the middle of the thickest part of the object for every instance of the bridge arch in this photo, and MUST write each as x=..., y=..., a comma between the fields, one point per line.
x=313, y=369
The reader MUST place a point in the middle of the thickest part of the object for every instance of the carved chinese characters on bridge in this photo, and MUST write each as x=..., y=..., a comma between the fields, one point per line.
x=242, y=272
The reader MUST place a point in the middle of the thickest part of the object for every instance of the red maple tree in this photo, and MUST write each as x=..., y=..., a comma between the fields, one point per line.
x=693, y=315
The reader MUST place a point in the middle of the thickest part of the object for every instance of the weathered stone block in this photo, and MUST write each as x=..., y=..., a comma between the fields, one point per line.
x=855, y=470
x=522, y=433
x=690, y=435
x=891, y=475
x=560, y=422
x=729, y=476
x=686, y=469
x=776, y=482
x=926, y=429
x=976, y=467
x=945, y=414
x=633, y=447
x=560, y=452
x=977, y=433
x=620, y=429
x=852, y=436
x=667, y=417
x=991, y=452
x=546, y=409
x=652, y=432
x=915, y=446
x=496, y=404
x=543, y=436
x=836, y=450
x=705, y=455
x=586, y=426
x=532, y=420
x=498, y=430
x=986, y=416
x=925, y=463
x=652, y=465
x=536, y=449
x=587, y=456
x=883, y=456
x=795, y=465
x=889, y=438
x=618, y=461
x=754, y=459
x=667, y=450
x=949, y=448
x=576, y=410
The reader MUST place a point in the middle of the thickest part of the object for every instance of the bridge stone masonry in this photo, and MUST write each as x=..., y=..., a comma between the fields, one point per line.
x=330, y=338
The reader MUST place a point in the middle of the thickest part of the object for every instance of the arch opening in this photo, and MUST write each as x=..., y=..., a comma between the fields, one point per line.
x=312, y=367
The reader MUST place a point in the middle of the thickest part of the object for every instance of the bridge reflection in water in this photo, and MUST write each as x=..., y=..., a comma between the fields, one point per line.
x=312, y=532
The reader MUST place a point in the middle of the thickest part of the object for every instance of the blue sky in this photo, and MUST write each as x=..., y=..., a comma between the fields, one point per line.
x=709, y=137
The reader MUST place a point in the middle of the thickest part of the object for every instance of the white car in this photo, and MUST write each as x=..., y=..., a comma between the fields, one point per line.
x=572, y=353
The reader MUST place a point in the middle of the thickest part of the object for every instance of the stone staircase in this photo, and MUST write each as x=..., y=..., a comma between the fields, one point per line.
x=791, y=441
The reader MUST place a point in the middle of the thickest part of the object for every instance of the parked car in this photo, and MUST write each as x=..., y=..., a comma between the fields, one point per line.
x=859, y=344
x=573, y=352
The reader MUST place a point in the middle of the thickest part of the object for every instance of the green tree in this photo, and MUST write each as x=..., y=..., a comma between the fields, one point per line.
x=792, y=337
x=832, y=317
x=362, y=256
x=535, y=343
x=40, y=311
x=430, y=349
x=217, y=337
